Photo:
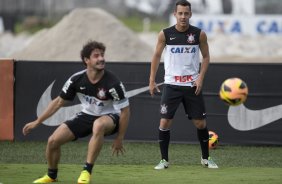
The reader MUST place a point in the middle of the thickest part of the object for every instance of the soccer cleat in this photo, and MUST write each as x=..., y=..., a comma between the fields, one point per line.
x=162, y=165
x=84, y=177
x=209, y=163
x=44, y=179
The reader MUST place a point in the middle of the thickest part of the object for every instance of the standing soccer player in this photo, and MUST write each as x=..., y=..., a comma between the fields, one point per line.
x=105, y=111
x=183, y=80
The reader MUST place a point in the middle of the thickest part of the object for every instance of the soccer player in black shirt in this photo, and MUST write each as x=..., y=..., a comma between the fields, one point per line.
x=105, y=111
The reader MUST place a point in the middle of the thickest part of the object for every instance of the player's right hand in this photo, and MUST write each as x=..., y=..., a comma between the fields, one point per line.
x=28, y=127
x=152, y=87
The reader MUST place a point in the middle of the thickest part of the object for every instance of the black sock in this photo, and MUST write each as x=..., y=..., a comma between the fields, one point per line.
x=88, y=167
x=203, y=136
x=164, y=138
x=52, y=173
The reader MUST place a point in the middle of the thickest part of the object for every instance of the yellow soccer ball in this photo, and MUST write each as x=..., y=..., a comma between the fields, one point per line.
x=233, y=91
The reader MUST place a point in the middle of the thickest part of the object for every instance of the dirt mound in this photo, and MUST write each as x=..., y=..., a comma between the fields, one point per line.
x=64, y=41
x=262, y=49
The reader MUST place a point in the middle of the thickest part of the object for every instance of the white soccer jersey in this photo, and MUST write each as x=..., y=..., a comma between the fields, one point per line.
x=181, y=56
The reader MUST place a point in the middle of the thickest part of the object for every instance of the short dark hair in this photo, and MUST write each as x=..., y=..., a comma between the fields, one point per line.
x=89, y=47
x=182, y=3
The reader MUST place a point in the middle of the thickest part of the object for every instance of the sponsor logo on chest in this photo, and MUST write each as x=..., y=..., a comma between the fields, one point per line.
x=183, y=49
x=185, y=78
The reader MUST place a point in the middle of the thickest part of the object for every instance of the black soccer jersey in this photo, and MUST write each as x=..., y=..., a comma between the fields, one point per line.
x=181, y=57
x=104, y=97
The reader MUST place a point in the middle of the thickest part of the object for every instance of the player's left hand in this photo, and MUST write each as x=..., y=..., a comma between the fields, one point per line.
x=117, y=147
x=198, y=83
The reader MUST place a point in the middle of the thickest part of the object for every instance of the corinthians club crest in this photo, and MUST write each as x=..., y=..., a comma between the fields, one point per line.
x=191, y=38
x=163, y=109
x=101, y=93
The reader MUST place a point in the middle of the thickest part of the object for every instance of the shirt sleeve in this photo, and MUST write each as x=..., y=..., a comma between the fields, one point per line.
x=117, y=93
x=68, y=91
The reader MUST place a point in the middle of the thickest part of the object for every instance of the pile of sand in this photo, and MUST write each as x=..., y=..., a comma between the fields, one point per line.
x=262, y=49
x=10, y=43
x=64, y=41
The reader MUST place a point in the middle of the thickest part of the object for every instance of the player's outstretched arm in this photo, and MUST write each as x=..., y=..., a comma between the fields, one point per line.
x=53, y=107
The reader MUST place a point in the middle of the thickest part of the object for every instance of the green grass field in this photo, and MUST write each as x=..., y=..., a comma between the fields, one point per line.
x=22, y=162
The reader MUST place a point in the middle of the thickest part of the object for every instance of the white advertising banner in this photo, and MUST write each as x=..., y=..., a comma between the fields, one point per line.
x=237, y=25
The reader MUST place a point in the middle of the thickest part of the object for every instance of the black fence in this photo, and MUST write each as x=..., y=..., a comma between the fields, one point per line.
x=33, y=78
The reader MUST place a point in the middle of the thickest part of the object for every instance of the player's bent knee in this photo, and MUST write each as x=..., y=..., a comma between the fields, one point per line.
x=99, y=128
x=103, y=125
x=52, y=142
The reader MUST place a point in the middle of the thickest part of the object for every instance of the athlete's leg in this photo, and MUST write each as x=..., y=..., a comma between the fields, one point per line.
x=53, y=151
x=101, y=127
x=171, y=98
x=164, y=137
x=203, y=136
x=195, y=109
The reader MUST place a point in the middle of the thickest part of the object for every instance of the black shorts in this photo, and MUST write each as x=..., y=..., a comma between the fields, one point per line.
x=173, y=95
x=82, y=124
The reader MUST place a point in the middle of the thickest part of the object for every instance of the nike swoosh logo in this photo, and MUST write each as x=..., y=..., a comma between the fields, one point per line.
x=70, y=111
x=244, y=119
